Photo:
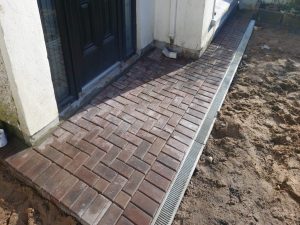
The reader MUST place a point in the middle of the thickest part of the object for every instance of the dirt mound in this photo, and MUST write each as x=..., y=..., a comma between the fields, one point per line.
x=254, y=177
x=20, y=205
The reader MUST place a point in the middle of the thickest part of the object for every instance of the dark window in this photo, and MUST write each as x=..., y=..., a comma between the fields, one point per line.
x=54, y=49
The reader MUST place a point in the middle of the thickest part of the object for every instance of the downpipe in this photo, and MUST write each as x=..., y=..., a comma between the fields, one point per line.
x=169, y=52
x=173, y=20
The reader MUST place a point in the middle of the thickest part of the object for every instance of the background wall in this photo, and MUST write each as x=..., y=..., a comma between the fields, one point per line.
x=278, y=1
x=250, y=4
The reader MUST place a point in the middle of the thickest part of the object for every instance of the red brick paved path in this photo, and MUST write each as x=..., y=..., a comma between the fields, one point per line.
x=114, y=161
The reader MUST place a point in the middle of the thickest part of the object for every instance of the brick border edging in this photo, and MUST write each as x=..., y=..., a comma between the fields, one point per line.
x=167, y=211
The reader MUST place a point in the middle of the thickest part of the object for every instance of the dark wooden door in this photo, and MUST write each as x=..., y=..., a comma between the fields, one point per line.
x=84, y=38
x=93, y=34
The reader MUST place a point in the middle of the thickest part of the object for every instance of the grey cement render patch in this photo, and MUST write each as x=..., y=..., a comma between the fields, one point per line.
x=8, y=111
x=172, y=200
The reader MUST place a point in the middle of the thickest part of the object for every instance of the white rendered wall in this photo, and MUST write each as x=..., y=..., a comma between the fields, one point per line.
x=162, y=20
x=193, y=18
x=145, y=23
x=215, y=11
x=188, y=22
x=25, y=57
x=193, y=30
x=208, y=31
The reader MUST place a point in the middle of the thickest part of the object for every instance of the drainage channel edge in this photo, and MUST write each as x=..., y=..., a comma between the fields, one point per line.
x=168, y=209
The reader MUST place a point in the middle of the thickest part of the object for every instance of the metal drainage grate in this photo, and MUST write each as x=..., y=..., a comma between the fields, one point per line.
x=169, y=208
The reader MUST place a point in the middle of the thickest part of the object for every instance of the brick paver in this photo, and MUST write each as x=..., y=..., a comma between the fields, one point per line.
x=114, y=161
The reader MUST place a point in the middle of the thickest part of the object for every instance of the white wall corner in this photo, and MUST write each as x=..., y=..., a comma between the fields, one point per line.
x=145, y=23
x=190, y=17
x=162, y=20
x=207, y=30
x=180, y=20
x=25, y=57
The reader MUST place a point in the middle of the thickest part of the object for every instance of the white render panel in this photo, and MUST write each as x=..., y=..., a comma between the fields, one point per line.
x=145, y=23
x=190, y=17
x=25, y=57
x=194, y=25
x=162, y=20
x=188, y=24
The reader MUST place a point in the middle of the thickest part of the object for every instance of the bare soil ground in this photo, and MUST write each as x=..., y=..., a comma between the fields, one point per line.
x=254, y=177
x=20, y=205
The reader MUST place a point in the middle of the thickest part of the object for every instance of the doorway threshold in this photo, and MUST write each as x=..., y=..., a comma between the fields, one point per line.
x=96, y=85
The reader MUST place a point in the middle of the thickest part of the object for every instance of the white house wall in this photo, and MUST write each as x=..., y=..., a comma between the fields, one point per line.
x=189, y=24
x=193, y=18
x=217, y=11
x=194, y=25
x=207, y=30
x=25, y=57
x=162, y=20
x=145, y=23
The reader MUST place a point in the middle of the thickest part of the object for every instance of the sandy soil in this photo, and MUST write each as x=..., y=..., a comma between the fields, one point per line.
x=20, y=205
x=254, y=177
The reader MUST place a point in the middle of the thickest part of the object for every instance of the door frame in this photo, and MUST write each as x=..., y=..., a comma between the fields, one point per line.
x=73, y=70
x=133, y=29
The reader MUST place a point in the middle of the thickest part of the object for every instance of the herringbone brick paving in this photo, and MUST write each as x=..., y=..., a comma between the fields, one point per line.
x=114, y=161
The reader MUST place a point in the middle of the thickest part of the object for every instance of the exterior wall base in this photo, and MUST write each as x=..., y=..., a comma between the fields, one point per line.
x=146, y=49
x=38, y=137
x=104, y=79
x=181, y=51
x=214, y=29
x=194, y=27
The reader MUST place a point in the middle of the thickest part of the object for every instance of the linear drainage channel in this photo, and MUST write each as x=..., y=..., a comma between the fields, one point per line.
x=172, y=201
